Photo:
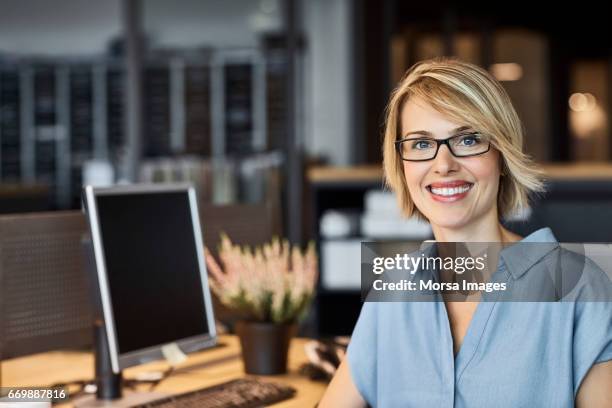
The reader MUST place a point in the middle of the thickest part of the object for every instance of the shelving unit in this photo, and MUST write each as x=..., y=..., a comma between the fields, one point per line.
x=57, y=113
x=338, y=189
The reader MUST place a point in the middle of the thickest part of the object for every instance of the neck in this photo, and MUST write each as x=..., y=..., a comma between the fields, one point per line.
x=485, y=229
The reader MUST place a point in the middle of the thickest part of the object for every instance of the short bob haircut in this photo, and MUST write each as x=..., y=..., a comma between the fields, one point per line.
x=469, y=95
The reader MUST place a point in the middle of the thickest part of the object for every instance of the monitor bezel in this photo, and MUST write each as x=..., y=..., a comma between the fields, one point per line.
x=187, y=345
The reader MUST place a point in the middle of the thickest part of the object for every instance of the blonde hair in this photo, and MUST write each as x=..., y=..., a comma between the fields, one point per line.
x=468, y=95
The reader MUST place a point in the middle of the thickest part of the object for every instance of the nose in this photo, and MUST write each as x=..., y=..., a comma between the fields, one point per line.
x=445, y=162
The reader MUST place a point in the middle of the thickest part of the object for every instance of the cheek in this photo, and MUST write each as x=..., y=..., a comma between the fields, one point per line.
x=414, y=174
x=486, y=171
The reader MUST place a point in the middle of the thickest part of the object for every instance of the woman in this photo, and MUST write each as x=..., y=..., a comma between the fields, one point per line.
x=453, y=155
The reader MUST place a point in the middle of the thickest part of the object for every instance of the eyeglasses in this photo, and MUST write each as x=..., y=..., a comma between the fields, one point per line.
x=426, y=148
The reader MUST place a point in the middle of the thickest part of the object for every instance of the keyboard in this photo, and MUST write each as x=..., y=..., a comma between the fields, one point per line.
x=240, y=393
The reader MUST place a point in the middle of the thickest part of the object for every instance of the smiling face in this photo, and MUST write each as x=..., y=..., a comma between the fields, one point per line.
x=451, y=192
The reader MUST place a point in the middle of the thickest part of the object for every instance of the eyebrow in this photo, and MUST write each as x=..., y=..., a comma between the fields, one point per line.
x=426, y=133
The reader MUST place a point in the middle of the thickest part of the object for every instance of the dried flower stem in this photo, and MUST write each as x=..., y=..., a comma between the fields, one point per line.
x=274, y=283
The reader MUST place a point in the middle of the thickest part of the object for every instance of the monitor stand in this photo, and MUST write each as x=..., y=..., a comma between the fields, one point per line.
x=109, y=392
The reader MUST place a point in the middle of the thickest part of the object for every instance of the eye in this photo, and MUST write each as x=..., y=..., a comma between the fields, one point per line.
x=469, y=140
x=421, y=144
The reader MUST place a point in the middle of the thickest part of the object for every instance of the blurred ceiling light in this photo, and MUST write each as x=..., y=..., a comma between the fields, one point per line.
x=509, y=71
x=266, y=17
x=268, y=6
x=582, y=102
x=587, y=118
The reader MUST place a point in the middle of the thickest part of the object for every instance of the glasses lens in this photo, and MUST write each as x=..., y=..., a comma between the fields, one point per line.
x=470, y=144
x=418, y=149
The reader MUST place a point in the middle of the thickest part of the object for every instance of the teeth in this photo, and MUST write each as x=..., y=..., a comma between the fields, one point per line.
x=450, y=191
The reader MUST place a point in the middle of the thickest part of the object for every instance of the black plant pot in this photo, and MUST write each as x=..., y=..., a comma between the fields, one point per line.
x=265, y=346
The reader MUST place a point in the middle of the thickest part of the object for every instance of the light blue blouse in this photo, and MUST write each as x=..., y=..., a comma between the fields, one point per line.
x=514, y=354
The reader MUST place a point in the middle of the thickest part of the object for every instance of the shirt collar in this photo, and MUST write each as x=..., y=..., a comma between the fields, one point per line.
x=521, y=256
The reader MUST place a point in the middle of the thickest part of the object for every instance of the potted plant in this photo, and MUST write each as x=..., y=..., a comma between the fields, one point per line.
x=272, y=286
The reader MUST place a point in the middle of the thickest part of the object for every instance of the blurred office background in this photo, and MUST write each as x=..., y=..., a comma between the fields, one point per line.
x=281, y=102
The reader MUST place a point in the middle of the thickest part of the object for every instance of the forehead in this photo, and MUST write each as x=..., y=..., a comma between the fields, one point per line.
x=418, y=115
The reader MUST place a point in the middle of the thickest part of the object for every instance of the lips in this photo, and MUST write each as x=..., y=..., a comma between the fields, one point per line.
x=449, y=191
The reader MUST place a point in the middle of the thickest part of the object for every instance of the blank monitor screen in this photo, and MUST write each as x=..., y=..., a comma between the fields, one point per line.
x=152, y=266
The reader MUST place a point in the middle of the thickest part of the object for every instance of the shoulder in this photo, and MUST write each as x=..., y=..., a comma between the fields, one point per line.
x=579, y=277
x=585, y=269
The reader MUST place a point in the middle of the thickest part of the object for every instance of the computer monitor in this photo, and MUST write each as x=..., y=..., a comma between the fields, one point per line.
x=150, y=268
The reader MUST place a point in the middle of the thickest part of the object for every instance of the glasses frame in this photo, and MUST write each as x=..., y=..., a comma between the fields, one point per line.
x=439, y=142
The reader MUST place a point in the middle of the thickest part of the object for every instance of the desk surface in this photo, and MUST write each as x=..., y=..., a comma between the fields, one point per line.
x=200, y=370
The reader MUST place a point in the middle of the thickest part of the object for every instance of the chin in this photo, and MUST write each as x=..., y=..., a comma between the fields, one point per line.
x=450, y=224
x=449, y=221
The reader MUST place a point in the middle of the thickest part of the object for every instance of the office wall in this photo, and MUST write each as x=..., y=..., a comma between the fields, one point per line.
x=69, y=27
x=66, y=27
x=218, y=23
x=329, y=79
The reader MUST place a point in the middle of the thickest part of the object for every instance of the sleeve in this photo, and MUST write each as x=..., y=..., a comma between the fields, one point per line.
x=362, y=352
x=592, y=338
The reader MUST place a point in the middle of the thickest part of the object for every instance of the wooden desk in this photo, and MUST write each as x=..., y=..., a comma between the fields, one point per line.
x=201, y=369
